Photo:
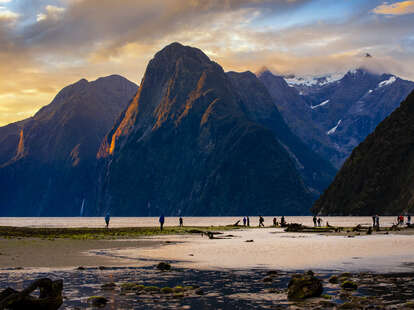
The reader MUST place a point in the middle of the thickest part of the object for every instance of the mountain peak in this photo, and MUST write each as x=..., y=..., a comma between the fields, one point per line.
x=176, y=50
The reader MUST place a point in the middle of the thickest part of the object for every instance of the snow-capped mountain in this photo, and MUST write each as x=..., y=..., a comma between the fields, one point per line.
x=345, y=110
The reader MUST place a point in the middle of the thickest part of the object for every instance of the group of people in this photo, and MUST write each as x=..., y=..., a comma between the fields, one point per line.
x=317, y=222
x=400, y=220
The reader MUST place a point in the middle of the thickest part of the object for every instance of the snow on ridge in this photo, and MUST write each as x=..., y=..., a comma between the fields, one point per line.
x=311, y=80
x=333, y=130
x=313, y=107
x=387, y=82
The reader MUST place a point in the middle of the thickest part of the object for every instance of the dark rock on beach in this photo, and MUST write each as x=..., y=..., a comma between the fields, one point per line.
x=304, y=286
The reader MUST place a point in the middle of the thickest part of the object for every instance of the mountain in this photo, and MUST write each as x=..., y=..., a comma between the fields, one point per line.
x=333, y=115
x=378, y=176
x=258, y=104
x=297, y=113
x=194, y=141
x=48, y=160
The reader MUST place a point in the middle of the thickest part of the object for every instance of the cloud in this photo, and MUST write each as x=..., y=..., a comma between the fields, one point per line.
x=51, y=12
x=7, y=15
x=398, y=8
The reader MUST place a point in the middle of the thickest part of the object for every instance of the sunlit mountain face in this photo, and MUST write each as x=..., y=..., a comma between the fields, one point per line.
x=46, y=45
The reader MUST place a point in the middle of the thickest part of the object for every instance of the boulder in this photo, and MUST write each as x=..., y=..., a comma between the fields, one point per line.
x=164, y=266
x=98, y=301
x=50, y=296
x=304, y=286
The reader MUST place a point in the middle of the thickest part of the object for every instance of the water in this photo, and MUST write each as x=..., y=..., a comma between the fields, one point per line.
x=346, y=221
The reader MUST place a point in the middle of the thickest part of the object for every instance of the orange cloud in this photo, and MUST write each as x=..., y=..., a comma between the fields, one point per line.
x=399, y=8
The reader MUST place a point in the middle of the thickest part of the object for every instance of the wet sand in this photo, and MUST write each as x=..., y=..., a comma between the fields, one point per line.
x=66, y=253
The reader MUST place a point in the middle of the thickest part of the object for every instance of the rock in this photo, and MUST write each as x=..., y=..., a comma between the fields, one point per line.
x=199, y=291
x=101, y=267
x=50, y=296
x=249, y=240
x=304, y=286
x=333, y=280
x=164, y=266
x=267, y=279
x=98, y=301
x=167, y=290
x=294, y=227
x=349, y=285
x=272, y=273
x=80, y=268
x=350, y=305
x=178, y=289
x=108, y=286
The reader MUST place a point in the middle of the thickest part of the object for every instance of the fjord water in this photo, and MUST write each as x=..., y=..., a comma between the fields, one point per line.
x=346, y=221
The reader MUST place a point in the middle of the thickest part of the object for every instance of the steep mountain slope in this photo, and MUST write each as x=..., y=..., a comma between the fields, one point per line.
x=185, y=145
x=297, y=113
x=378, y=177
x=335, y=115
x=49, y=159
x=259, y=106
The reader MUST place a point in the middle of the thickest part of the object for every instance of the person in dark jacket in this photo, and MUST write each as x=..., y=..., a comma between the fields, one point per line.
x=161, y=220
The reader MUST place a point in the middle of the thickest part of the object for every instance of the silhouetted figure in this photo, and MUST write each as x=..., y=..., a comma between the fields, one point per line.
x=244, y=221
x=248, y=221
x=282, y=221
x=181, y=221
x=161, y=220
x=107, y=219
x=261, y=221
x=377, y=219
x=319, y=222
x=374, y=219
x=274, y=221
x=408, y=220
x=314, y=220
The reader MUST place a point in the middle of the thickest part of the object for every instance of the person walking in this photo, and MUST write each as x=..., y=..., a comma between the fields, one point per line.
x=374, y=221
x=319, y=222
x=274, y=222
x=161, y=220
x=248, y=221
x=261, y=221
x=314, y=221
x=282, y=221
x=244, y=221
x=408, y=220
x=107, y=219
x=377, y=220
x=181, y=221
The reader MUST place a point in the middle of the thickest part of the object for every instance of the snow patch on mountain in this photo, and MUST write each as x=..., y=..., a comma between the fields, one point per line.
x=387, y=82
x=313, y=107
x=333, y=130
x=312, y=80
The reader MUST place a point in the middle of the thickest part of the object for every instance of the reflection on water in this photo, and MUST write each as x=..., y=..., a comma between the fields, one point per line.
x=188, y=221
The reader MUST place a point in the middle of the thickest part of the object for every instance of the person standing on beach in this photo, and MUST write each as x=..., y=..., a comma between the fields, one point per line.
x=282, y=221
x=181, y=222
x=377, y=222
x=161, y=220
x=107, y=219
x=248, y=221
x=314, y=220
x=244, y=221
x=274, y=222
x=373, y=221
x=408, y=220
x=319, y=222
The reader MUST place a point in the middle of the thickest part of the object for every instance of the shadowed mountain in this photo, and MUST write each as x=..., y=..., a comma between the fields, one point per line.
x=378, y=176
x=297, y=114
x=189, y=144
x=259, y=107
x=334, y=117
x=48, y=160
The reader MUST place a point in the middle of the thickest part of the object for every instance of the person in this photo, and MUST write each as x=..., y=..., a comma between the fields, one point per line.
x=161, y=220
x=261, y=221
x=401, y=220
x=107, y=219
x=373, y=221
x=377, y=222
x=248, y=221
x=244, y=221
x=319, y=222
x=282, y=221
x=274, y=221
x=181, y=221
x=314, y=220
x=408, y=220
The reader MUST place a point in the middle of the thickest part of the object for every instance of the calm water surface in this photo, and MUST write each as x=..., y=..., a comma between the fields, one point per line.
x=173, y=221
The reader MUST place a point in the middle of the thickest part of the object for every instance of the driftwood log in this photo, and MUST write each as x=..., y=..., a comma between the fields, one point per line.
x=50, y=296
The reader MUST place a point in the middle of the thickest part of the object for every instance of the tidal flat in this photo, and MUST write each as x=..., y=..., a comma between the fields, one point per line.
x=236, y=268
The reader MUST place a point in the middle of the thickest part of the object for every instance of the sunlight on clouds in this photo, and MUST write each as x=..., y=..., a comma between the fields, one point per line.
x=399, y=8
x=7, y=15
x=51, y=12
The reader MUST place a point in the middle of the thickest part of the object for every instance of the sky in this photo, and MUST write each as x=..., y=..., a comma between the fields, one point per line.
x=46, y=45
